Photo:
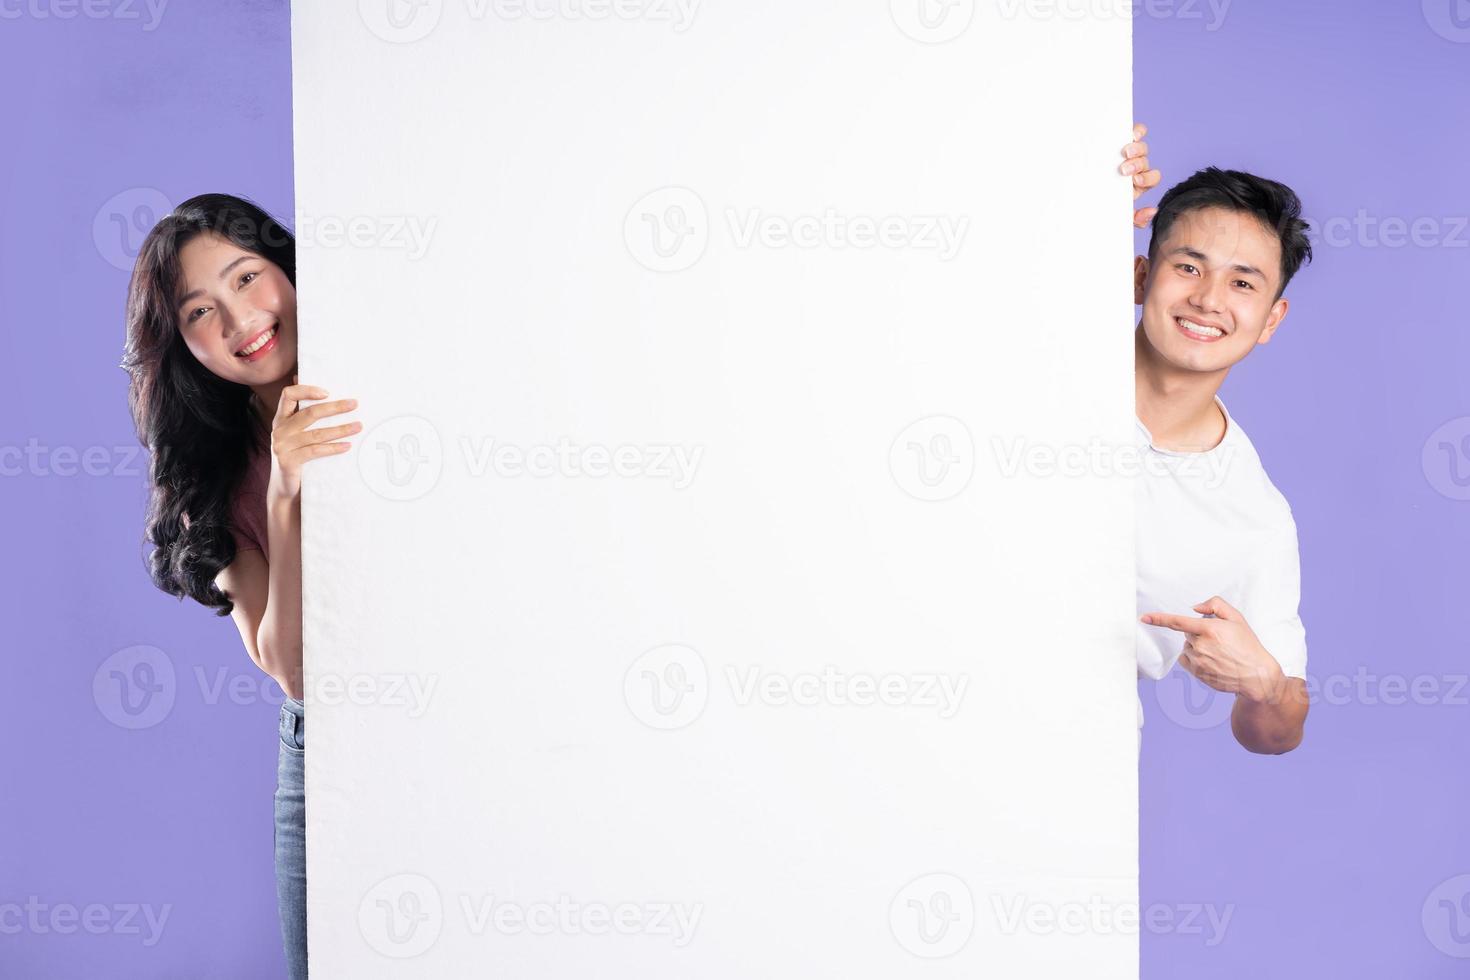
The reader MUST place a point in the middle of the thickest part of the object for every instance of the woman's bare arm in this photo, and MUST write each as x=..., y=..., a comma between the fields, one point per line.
x=267, y=597
x=246, y=580
x=279, y=637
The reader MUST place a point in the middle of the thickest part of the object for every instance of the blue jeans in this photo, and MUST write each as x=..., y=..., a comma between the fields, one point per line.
x=290, y=836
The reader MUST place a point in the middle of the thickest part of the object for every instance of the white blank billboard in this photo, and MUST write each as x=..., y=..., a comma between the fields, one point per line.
x=697, y=600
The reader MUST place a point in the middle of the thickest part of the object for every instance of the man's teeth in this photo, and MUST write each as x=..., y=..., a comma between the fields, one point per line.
x=1199, y=329
x=252, y=348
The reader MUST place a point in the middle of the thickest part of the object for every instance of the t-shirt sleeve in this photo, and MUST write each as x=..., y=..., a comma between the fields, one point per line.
x=244, y=540
x=245, y=522
x=1276, y=591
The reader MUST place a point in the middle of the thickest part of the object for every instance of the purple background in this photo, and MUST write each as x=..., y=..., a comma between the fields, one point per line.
x=1325, y=859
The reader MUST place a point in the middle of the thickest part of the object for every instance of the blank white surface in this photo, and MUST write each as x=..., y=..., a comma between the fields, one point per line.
x=538, y=615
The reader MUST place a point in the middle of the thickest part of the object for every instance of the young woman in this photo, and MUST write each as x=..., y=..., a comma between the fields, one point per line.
x=211, y=351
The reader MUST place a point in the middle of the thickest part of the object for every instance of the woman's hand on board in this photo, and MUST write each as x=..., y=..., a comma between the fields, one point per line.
x=293, y=444
x=1136, y=163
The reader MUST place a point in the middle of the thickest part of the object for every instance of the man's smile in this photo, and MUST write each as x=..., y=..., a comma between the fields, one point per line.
x=1199, y=330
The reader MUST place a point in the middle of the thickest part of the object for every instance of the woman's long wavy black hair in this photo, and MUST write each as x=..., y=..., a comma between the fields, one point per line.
x=198, y=427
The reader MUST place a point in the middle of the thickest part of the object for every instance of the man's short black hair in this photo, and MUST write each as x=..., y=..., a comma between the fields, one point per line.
x=1274, y=204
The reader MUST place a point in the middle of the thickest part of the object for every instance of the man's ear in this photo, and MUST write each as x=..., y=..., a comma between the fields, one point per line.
x=1278, y=313
x=1140, y=276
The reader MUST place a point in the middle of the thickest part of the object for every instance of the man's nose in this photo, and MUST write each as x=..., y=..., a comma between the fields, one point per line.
x=1210, y=295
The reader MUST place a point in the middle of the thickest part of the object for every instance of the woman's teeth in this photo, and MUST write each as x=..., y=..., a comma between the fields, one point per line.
x=251, y=348
x=1198, y=330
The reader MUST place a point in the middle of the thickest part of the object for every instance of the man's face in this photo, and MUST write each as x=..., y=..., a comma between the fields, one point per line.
x=1208, y=299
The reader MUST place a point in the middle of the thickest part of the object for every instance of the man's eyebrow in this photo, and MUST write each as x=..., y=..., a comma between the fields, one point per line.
x=222, y=273
x=1198, y=256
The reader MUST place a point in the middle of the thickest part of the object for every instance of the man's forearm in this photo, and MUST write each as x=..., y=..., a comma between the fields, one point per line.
x=1273, y=724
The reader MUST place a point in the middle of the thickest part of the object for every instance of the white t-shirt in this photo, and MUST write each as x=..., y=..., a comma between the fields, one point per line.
x=1212, y=523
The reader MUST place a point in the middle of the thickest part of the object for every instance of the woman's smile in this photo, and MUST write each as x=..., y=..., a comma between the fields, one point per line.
x=260, y=345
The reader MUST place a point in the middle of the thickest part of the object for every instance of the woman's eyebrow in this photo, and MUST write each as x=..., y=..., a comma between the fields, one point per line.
x=222, y=273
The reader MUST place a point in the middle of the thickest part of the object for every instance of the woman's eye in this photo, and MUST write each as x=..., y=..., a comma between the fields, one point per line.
x=198, y=311
x=247, y=275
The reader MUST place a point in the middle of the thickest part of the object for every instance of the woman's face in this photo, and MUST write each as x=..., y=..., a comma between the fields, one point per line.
x=236, y=301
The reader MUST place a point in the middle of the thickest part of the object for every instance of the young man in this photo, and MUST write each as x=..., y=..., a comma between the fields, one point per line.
x=1214, y=535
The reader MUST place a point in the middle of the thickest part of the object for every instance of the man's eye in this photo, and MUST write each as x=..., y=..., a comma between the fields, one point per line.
x=1245, y=284
x=1186, y=265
